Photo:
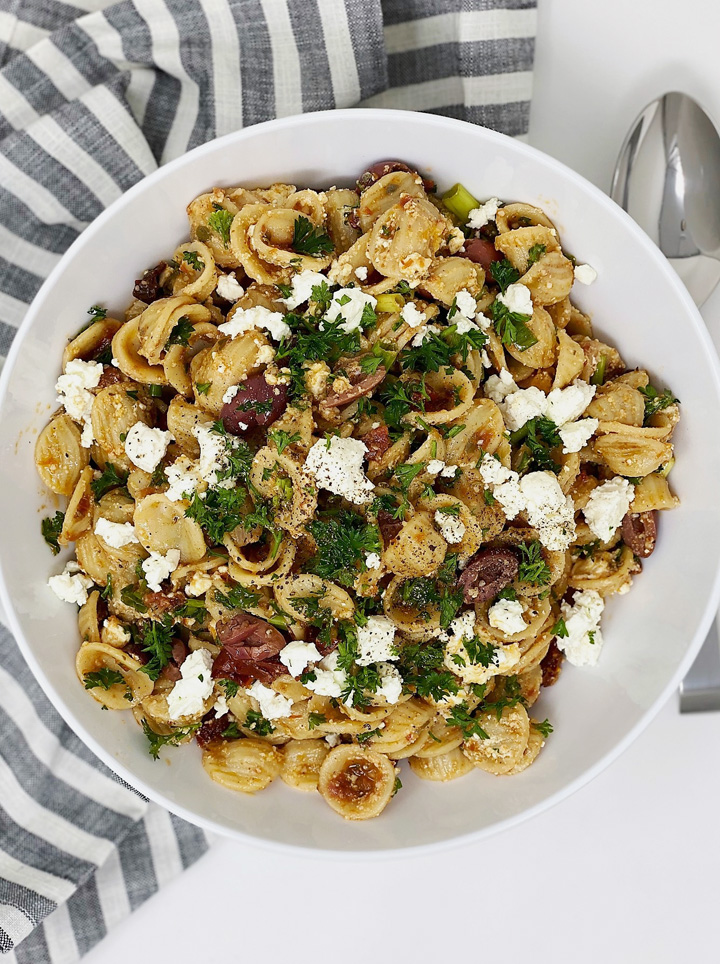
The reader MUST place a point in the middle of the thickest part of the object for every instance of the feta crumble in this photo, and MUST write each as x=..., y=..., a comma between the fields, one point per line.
x=247, y=319
x=607, y=505
x=183, y=476
x=372, y=560
x=482, y=215
x=73, y=393
x=517, y=298
x=199, y=584
x=449, y=471
x=548, y=509
x=451, y=527
x=71, y=585
x=519, y=407
x=114, y=633
x=302, y=286
x=229, y=288
x=297, y=655
x=434, y=466
x=577, y=434
x=361, y=273
x=336, y=465
x=266, y=354
x=376, y=641
x=423, y=334
x=213, y=456
x=585, y=274
x=145, y=446
x=230, y=394
x=188, y=695
x=498, y=387
x=349, y=304
x=507, y=616
x=157, y=567
x=116, y=534
x=391, y=683
x=465, y=304
x=329, y=679
x=566, y=404
x=584, y=639
x=412, y=316
x=221, y=706
x=273, y=706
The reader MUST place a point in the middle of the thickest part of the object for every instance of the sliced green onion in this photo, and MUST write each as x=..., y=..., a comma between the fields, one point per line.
x=389, y=303
x=460, y=202
x=155, y=390
x=598, y=376
x=667, y=468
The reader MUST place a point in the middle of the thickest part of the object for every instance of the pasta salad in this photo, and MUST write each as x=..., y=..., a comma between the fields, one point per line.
x=347, y=484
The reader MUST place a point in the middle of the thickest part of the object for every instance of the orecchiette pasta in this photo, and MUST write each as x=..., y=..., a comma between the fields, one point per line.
x=347, y=484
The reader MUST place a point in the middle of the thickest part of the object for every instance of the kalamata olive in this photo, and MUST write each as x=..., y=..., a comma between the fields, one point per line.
x=377, y=441
x=247, y=637
x=639, y=532
x=363, y=386
x=388, y=525
x=380, y=168
x=212, y=729
x=481, y=252
x=487, y=573
x=257, y=404
x=244, y=671
x=551, y=664
x=147, y=288
x=179, y=654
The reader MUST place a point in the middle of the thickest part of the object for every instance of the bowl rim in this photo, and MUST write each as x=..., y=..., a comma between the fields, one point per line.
x=436, y=123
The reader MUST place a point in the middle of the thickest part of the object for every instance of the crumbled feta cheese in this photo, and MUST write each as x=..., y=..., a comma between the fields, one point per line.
x=391, y=683
x=199, y=584
x=464, y=325
x=372, y=560
x=332, y=739
x=221, y=706
x=434, y=466
x=585, y=274
x=145, y=446
x=73, y=393
x=493, y=472
x=302, y=286
x=548, y=509
x=462, y=627
x=297, y=655
x=480, y=216
x=504, y=485
x=376, y=641
x=507, y=616
x=607, y=505
x=423, y=334
x=485, y=359
x=158, y=567
x=517, y=298
x=247, y=319
x=449, y=471
x=412, y=316
x=577, y=434
x=71, y=585
x=229, y=288
x=316, y=378
x=183, y=476
x=584, y=639
x=116, y=534
x=329, y=679
x=213, y=455
x=361, y=273
x=451, y=527
x=349, y=304
x=273, y=706
x=566, y=404
x=465, y=304
x=519, y=407
x=230, y=394
x=498, y=387
x=336, y=465
x=266, y=353
x=114, y=633
x=188, y=695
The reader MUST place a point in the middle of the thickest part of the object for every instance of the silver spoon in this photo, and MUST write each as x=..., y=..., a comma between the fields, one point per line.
x=667, y=177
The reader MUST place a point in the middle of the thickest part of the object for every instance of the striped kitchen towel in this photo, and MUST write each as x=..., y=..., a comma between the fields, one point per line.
x=93, y=96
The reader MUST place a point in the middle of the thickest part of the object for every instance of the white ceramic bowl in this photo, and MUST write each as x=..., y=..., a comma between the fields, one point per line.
x=637, y=302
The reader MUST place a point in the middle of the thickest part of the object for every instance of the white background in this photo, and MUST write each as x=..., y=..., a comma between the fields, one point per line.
x=628, y=869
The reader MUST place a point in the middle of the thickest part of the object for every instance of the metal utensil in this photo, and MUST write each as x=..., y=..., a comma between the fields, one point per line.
x=667, y=177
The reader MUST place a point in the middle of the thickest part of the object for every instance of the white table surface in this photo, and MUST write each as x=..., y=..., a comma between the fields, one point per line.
x=628, y=869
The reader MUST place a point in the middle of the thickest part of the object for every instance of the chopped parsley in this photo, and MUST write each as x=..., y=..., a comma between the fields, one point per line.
x=511, y=327
x=560, y=629
x=342, y=543
x=656, y=401
x=104, y=678
x=238, y=597
x=461, y=716
x=97, y=312
x=221, y=511
x=423, y=669
x=51, y=529
x=282, y=439
x=231, y=731
x=108, y=590
x=132, y=596
x=203, y=387
x=230, y=687
x=309, y=240
x=156, y=639
x=535, y=253
x=180, y=335
x=220, y=221
x=540, y=435
x=316, y=719
x=545, y=728
x=503, y=273
x=191, y=258
x=109, y=479
x=158, y=740
x=256, y=721
x=533, y=568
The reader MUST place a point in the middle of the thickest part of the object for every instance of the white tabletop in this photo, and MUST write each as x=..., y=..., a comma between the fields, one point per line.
x=628, y=869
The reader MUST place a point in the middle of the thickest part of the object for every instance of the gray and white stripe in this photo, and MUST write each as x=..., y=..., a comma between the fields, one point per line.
x=95, y=94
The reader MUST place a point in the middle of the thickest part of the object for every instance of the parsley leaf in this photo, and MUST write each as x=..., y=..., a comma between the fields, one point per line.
x=230, y=687
x=461, y=717
x=51, y=528
x=503, y=273
x=309, y=240
x=238, y=597
x=656, y=401
x=180, y=335
x=104, y=678
x=546, y=727
x=533, y=568
x=110, y=479
x=535, y=253
x=156, y=638
x=423, y=670
x=221, y=511
x=159, y=740
x=341, y=546
x=191, y=258
x=220, y=221
x=256, y=721
x=316, y=719
x=511, y=327
x=560, y=629
x=282, y=439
